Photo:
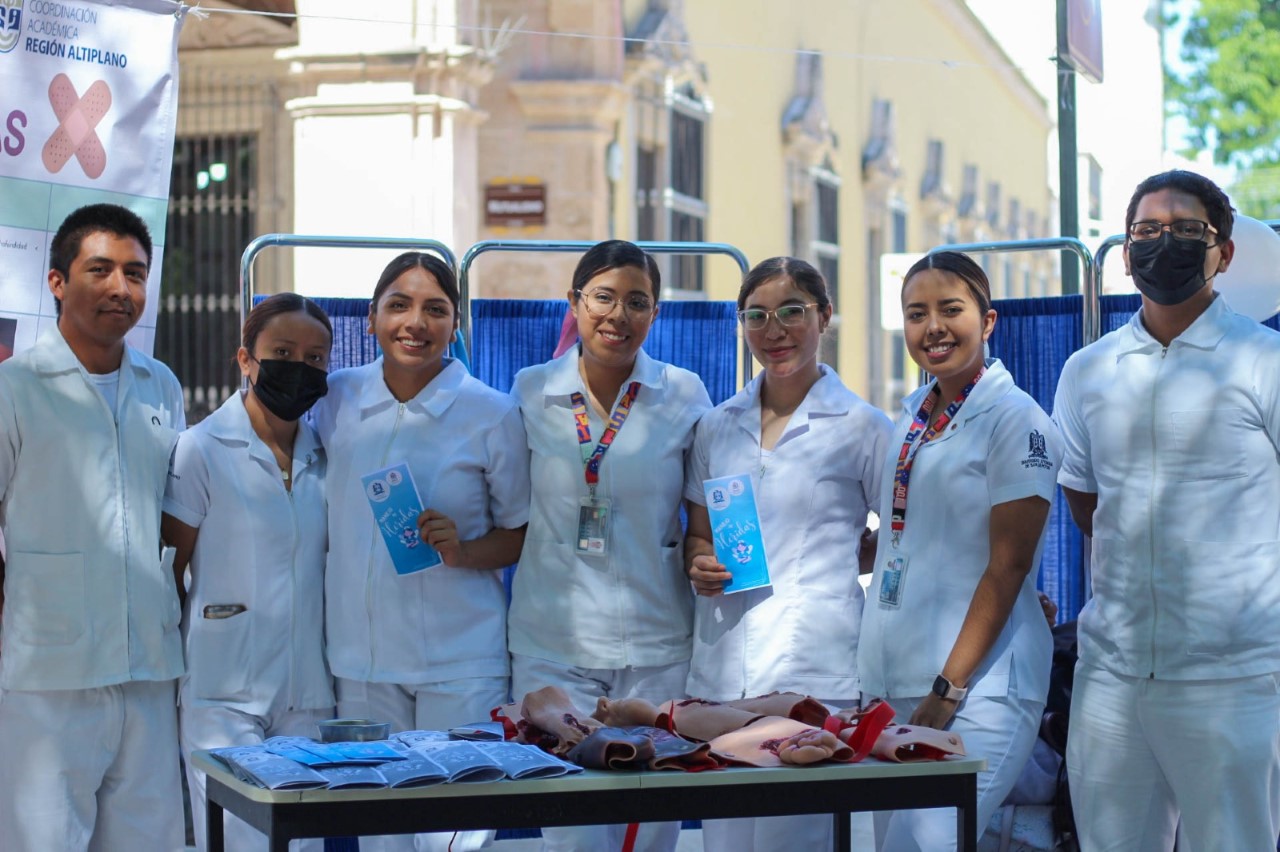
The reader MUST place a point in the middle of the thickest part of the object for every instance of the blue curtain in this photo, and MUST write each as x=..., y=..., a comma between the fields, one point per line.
x=1034, y=338
x=511, y=334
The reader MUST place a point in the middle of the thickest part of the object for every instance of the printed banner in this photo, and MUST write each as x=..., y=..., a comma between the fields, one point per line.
x=88, y=105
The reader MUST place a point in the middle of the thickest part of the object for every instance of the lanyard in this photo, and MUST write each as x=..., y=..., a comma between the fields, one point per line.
x=921, y=429
x=591, y=463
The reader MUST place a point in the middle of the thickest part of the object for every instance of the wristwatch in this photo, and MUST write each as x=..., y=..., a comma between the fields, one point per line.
x=944, y=688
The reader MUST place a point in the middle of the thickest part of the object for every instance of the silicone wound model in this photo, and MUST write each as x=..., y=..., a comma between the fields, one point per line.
x=76, y=134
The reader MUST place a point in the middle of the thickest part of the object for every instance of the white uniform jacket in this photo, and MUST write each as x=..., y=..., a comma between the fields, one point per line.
x=633, y=606
x=86, y=602
x=261, y=547
x=1001, y=447
x=813, y=491
x=465, y=445
x=1180, y=446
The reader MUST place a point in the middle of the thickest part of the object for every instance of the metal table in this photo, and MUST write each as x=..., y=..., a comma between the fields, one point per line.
x=598, y=798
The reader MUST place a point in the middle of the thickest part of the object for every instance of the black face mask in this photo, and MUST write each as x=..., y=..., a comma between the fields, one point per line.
x=1168, y=271
x=289, y=388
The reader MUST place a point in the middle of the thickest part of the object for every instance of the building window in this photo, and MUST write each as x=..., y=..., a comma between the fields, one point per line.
x=826, y=253
x=671, y=164
x=686, y=198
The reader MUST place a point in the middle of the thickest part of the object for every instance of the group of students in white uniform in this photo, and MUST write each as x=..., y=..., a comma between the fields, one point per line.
x=290, y=581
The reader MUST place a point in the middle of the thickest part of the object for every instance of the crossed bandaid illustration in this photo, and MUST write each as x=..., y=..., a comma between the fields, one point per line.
x=77, y=116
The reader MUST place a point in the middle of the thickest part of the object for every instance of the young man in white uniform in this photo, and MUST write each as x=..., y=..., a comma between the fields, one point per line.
x=1171, y=465
x=89, y=648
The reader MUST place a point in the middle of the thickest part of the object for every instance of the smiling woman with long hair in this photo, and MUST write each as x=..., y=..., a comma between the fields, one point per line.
x=953, y=634
x=425, y=650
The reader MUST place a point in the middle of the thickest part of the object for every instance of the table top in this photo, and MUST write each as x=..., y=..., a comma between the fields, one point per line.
x=868, y=769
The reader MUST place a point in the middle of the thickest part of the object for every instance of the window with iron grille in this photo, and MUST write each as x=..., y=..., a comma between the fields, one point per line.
x=212, y=217
x=686, y=198
x=826, y=253
x=648, y=193
x=671, y=151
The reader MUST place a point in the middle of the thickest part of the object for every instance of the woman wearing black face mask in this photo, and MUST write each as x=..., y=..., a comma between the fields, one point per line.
x=245, y=509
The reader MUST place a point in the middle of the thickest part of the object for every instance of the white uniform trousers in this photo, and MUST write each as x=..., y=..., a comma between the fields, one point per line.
x=1002, y=730
x=90, y=769
x=423, y=707
x=218, y=727
x=586, y=686
x=765, y=834
x=1145, y=753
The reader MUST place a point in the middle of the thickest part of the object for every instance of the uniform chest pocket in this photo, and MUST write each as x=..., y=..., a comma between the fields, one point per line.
x=1210, y=444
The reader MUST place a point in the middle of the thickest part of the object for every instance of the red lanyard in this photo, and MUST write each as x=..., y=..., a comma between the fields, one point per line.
x=921, y=429
x=592, y=462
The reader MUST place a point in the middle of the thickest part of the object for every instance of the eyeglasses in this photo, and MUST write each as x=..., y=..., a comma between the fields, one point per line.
x=1192, y=230
x=754, y=319
x=601, y=303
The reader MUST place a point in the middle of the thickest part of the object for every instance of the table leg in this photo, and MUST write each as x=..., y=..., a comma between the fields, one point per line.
x=967, y=816
x=213, y=826
x=841, y=836
x=278, y=838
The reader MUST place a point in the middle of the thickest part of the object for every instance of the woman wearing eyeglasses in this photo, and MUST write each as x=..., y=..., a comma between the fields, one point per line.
x=600, y=606
x=812, y=450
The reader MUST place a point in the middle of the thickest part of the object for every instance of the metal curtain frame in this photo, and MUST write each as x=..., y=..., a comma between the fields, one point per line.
x=580, y=246
x=1092, y=314
x=265, y=241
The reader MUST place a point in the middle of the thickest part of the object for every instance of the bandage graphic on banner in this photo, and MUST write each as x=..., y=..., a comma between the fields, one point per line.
x=75, y=135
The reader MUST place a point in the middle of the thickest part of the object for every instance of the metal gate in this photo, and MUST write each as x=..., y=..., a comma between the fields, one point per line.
x=214, y=212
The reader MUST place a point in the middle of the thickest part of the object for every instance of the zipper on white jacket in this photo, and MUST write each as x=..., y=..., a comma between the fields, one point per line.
x=376, y=543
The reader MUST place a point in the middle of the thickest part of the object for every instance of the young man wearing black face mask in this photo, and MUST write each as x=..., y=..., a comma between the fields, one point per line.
x=1170, y=425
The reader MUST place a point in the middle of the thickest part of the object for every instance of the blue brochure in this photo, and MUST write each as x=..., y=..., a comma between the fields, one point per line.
x=394, y=499
x=735, y=531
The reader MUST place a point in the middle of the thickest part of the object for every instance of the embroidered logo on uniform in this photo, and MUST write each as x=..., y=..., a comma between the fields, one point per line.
x=1037, y=456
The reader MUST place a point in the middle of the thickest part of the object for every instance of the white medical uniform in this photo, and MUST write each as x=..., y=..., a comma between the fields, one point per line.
x=399, y=644
x=617, y=624
x=813, y=491
x=1001, y=447
x=260, y=673
x=1179, y=643
x=91, y=648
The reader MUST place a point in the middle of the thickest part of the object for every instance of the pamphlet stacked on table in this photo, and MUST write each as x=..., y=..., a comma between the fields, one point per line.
x=409, y=759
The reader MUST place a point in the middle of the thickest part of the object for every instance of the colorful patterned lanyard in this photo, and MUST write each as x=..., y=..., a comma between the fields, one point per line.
x=591, y=462
x=921, y=429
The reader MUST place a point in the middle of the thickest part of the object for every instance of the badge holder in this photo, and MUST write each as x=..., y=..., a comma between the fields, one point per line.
x=891, y=580
x=593, y=527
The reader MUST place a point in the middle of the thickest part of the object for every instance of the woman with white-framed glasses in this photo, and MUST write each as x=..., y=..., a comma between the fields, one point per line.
x=600, y=606
x=811, y=449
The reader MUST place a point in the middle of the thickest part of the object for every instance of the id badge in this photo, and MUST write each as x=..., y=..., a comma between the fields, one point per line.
x=891, y=580
x=593, y=527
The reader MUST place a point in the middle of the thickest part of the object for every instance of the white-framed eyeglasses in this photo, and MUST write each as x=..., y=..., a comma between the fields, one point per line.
x=754, y=319
x=1192, y=230
x=600, y=303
